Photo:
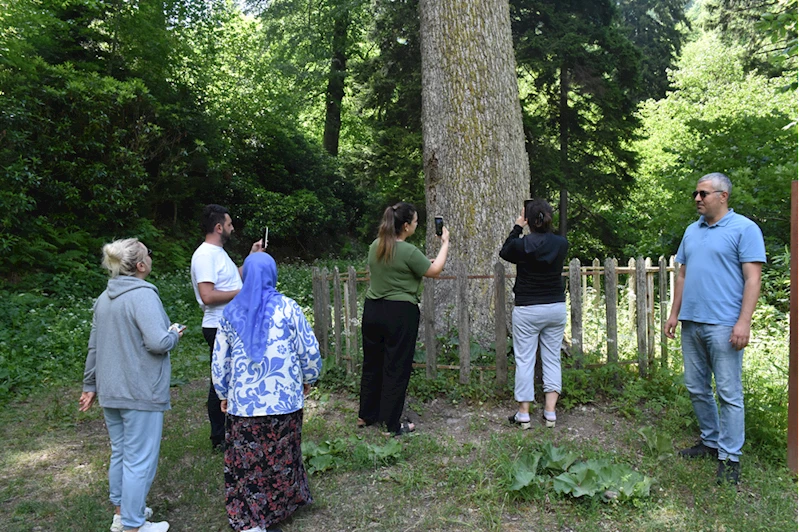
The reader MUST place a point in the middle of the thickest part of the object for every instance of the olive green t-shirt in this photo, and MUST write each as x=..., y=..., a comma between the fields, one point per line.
x=400, y=278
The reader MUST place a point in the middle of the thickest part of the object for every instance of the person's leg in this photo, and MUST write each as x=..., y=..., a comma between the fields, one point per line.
x=728, y=369
x=141, y=450
x=215, y=414
x=116, y=433
x=372, y=336
x=697, y=373
x=550, y=339
x=402, y=330
x=525, y=346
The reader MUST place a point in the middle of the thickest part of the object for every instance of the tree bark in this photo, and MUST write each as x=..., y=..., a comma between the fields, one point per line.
x=335, y=82
x=476, y=169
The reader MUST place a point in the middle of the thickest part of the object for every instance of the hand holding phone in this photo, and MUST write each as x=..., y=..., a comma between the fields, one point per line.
x=439, y=225
x=526, y=203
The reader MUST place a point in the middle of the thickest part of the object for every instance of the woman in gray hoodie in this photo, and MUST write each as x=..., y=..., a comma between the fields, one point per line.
x=128, y=371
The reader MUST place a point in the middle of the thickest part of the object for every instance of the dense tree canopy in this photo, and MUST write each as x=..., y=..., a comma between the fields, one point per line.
x=124, y=118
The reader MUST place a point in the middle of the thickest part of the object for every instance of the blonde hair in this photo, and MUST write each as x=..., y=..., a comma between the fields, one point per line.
x=120, y=257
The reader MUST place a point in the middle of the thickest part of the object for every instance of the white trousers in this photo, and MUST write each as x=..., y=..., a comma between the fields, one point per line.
x=537, y=326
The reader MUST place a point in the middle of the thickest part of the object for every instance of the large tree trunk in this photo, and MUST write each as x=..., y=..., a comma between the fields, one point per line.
x=476, y=169
x=335, y=81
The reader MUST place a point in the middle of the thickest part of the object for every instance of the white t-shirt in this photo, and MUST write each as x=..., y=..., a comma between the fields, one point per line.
x=211, y=264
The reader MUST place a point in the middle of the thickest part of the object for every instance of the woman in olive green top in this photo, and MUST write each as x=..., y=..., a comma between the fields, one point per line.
x=391, y=317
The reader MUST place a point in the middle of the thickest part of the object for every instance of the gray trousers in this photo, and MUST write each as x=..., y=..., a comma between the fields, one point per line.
x=537, y=326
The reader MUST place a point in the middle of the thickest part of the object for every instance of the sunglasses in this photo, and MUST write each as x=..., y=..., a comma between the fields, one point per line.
x=704, y=193
x=150, y=251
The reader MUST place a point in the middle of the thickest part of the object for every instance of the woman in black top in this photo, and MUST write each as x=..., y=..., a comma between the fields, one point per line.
x=539, y=314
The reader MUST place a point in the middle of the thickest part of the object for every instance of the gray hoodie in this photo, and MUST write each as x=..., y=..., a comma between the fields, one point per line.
x=128, y=360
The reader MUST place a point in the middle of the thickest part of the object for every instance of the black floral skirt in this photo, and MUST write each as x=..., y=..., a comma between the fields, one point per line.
x=265, y=481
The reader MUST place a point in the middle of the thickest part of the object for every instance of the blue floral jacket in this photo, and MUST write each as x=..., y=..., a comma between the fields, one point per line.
x=272, y=386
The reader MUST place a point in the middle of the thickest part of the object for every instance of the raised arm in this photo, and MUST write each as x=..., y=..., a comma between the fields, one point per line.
x=441, y=259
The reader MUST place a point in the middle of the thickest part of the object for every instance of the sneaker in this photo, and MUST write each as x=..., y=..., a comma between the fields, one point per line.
x=728, y=472
x=163, y=526
x=524, y=425
x=549, y=423
x=700, y=450
x=116, y=523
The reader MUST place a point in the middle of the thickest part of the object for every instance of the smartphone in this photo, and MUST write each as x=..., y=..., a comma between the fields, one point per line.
x=526, y=203
x=266, y=237
x=439, y=225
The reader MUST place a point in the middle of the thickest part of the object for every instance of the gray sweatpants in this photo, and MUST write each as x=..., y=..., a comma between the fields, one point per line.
x=534, y=326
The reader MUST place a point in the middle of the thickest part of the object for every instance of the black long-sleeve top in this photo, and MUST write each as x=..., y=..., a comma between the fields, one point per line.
x=539, y=261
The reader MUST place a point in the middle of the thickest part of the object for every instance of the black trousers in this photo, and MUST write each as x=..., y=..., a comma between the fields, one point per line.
x=215, y=414
x=389, y=330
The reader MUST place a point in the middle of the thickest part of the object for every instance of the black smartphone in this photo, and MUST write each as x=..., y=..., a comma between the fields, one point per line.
x=439, y=225
x=526, y=203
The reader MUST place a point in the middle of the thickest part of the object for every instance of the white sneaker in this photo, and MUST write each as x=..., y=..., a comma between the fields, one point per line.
x=116, y=524
x=163, y=526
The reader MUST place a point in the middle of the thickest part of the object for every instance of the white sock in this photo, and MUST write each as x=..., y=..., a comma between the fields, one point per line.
x=550, y=416
x=524, y=418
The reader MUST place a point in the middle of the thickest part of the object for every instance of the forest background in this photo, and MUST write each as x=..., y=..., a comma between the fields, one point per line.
x=125, y=118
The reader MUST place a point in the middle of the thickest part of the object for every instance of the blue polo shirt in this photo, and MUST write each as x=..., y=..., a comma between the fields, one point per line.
x=714, y=254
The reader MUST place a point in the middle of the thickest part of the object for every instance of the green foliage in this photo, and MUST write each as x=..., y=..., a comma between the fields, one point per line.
x=718, y=118
x=550, y=467
x=336, y=453
x=580, y=74
x=658, y=444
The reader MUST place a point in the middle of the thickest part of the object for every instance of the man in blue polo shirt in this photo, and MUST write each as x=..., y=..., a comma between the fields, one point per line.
x=715, y=294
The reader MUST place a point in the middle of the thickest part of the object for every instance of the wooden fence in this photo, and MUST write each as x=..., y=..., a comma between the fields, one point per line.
x=342, y=318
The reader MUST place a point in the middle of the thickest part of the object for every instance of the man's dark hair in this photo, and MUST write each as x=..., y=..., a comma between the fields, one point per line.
x=212, y=214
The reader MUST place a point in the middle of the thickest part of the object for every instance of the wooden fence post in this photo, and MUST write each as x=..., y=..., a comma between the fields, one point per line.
x=337, y=313
x=662, y=287
x=576, y=298
x=500, y=328
x=430, y=342
x=324, y=287
x=347, y=332
x=464, y=340
x=640, y=315
x=317, y=302
x=611, y=300
x=353, y=321
x=597, y=271
x=650, y=312
x=631, y=291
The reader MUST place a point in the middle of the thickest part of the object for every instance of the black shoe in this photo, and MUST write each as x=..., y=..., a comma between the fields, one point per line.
x=728, y=472
x=700, y=450
x=218, y=446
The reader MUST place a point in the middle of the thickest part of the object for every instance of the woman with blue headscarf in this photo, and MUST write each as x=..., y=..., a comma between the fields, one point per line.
x=265, y=359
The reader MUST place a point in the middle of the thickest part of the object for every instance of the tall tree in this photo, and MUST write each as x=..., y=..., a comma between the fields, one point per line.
x=741, y=22
x=317, y=41
x=580, y=75
x=476, y=171
x=658, y=29
x=719, y=118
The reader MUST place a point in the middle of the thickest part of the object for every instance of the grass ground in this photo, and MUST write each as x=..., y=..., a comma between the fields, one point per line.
x=452, y=475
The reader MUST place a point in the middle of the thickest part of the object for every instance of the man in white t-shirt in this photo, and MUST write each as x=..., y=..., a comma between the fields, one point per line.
x=216, y=280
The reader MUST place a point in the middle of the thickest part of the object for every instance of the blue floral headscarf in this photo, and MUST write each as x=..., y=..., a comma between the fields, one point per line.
x=251, y=312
